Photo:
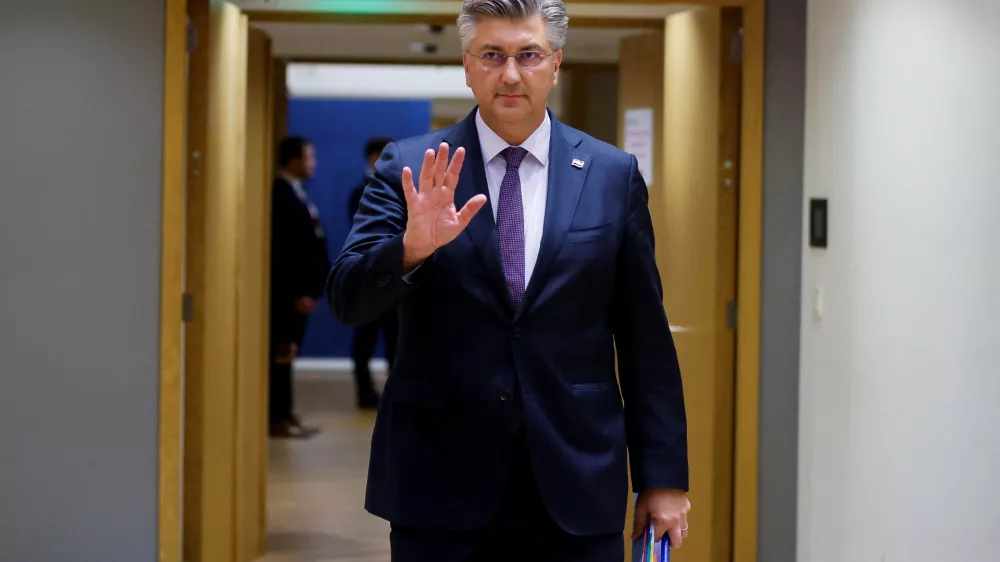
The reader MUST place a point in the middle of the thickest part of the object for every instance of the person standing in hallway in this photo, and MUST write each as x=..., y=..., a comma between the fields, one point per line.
x=503, y=431
x=299, y=265
x=366, y=336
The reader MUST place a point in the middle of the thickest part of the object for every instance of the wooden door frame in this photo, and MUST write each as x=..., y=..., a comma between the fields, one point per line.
x=748, y=280
x=748, y=274
x=172, y=283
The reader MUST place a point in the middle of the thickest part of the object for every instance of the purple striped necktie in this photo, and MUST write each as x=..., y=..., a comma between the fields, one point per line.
x=510, y=224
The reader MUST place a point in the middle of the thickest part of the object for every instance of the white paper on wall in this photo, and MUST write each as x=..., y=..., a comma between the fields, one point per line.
x=639, y=139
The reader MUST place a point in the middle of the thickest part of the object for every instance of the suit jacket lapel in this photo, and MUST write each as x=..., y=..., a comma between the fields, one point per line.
x=472, y=181
x=566, y=179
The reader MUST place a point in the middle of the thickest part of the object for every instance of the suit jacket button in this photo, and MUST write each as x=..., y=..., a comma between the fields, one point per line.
x=384, y=282
x=504, y=397
x=517, y=332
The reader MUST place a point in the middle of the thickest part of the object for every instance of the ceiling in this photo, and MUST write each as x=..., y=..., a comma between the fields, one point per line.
x=395, y=42
x=617, y=9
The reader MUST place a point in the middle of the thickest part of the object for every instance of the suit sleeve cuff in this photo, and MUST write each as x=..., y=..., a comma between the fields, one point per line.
x=388, y=265
x=660, y=470
x=411, y=277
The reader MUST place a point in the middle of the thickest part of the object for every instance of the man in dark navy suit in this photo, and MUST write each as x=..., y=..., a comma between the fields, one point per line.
x=518, y=269
x=299, y=265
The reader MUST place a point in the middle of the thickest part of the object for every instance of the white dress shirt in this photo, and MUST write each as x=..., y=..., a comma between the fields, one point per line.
x=534, y=172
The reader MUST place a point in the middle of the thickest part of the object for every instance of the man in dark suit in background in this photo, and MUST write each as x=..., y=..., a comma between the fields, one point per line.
x=519, y=271
x=366, y=336
x=299, y=265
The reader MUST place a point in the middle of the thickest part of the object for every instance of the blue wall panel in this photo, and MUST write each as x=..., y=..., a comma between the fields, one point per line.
x=339, y=129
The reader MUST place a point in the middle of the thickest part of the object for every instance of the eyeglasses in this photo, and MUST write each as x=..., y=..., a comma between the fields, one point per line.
x=525, y=59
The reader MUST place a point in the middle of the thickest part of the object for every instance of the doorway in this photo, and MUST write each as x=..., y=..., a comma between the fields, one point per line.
x=225, y=517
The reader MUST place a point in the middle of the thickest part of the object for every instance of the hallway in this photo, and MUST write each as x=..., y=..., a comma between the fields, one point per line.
x=317, y=487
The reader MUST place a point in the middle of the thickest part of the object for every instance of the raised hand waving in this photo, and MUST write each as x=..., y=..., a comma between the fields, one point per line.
x=432, y=220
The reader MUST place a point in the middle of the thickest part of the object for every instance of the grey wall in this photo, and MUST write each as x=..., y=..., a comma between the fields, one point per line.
x=784, y=115
x=80, y=166
x=899, y=376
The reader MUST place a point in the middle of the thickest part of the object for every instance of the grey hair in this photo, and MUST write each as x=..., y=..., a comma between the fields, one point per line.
x=553, y=13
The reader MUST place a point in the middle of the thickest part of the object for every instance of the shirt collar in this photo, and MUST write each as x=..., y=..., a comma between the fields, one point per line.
x=537, y=144
x=295, y=182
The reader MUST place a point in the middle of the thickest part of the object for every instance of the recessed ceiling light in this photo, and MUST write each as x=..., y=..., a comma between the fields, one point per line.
x=423, y=48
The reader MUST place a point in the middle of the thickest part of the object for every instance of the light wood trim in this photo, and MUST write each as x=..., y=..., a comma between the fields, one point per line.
x=429, y=19
x=745, y=499
x=224, y=163
x=172, y=283
x=275, y=92
x=246, y=436
x=251, y=426
x=437, y=18
x=194, y=347
x=217, y=119
x=727, y=244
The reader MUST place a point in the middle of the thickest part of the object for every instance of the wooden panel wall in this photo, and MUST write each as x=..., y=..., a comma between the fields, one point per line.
x=252, y=387
x=701, y=156
x=279, y=77
x=218, y=127
x=172, y=284
x=640, y=85
x=194, y=345
x=745, y=500
x=590, y=98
